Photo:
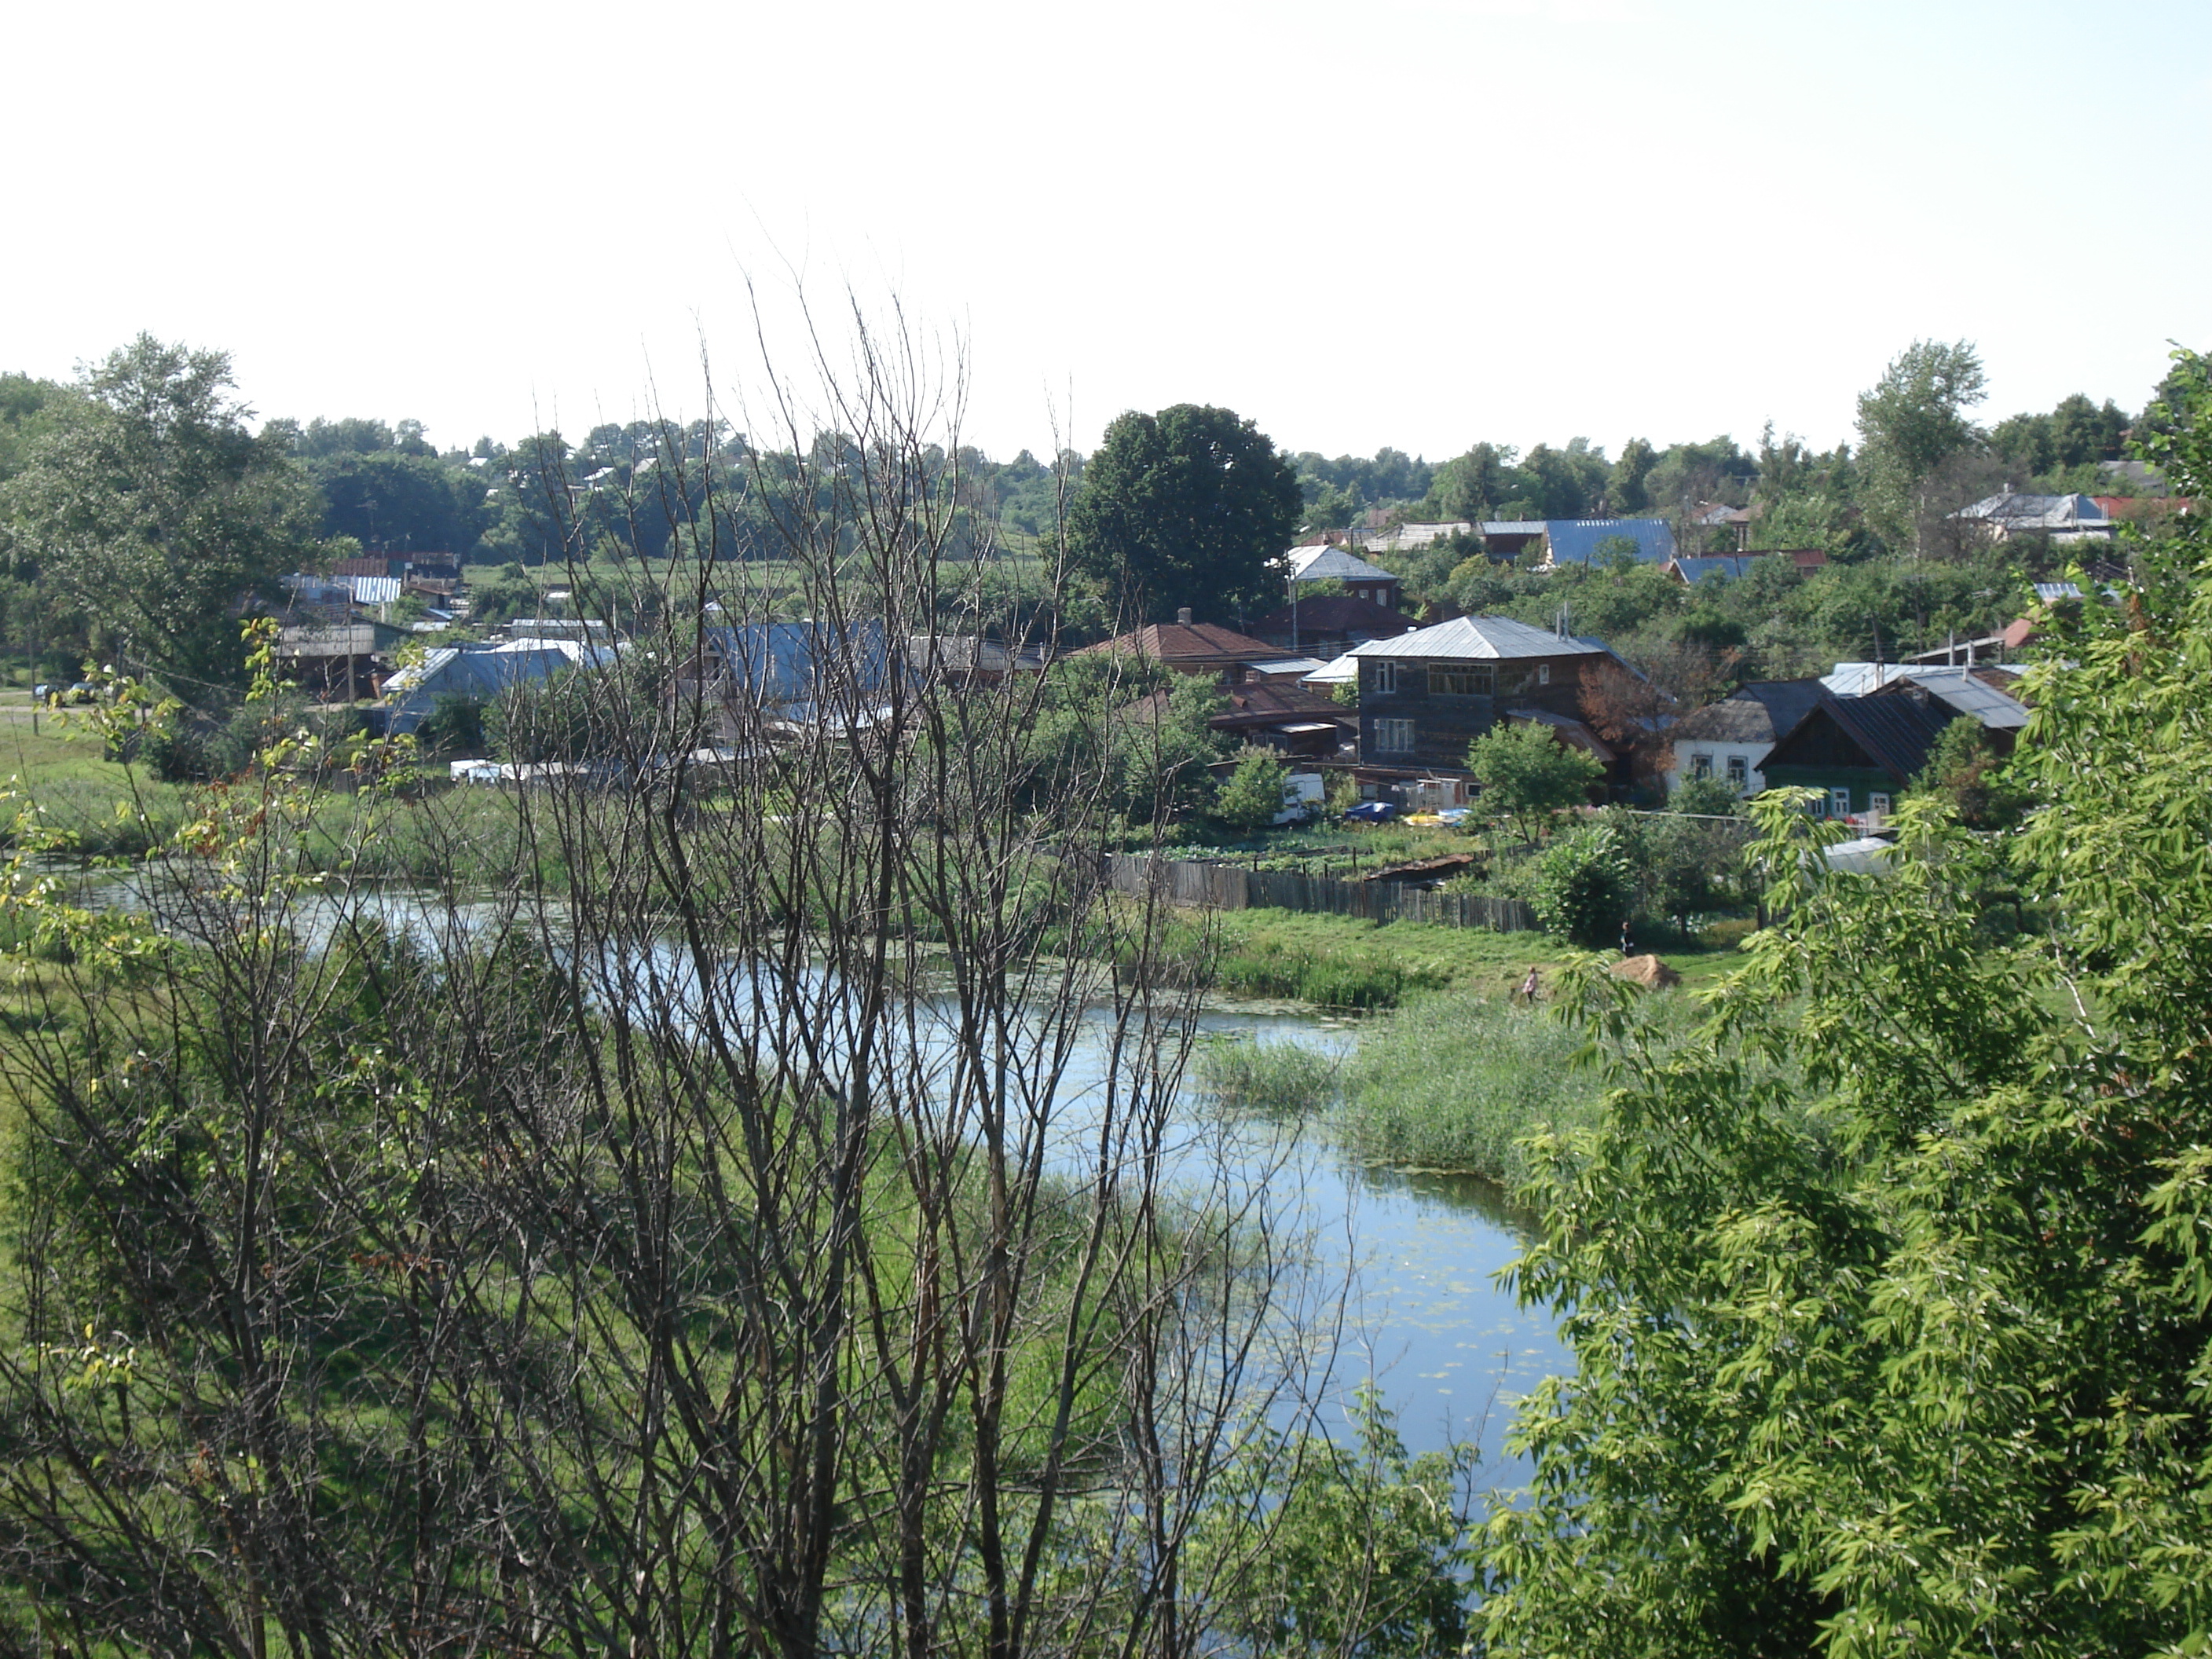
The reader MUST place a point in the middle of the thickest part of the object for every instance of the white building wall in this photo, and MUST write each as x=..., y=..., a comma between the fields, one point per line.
x=1718, y=757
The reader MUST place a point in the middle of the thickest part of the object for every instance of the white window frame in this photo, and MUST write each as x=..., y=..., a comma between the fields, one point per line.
x=1701, y=766
x=1543, y=673
x=1738, y=771
x=1394, y=737
x=1386, y=678
x=1879, y=805
x=1839, y=803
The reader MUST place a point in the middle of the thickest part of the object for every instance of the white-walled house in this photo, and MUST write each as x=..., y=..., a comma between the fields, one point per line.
x=1729, y=740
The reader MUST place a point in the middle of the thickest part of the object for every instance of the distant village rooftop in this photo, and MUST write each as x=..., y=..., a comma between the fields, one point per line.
x=1489, y=639
x=1320, y=564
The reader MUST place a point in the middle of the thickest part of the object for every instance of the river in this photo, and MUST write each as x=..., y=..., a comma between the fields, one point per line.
x=1410, y=1259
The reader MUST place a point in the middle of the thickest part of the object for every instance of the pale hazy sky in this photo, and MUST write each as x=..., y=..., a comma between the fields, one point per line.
x=1418, y=222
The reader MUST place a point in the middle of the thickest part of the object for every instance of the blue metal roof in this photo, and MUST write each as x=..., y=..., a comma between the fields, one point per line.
x=1575, y=541
x=786, y=664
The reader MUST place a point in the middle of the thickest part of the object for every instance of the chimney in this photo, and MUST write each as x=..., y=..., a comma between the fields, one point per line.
x=1182, y=616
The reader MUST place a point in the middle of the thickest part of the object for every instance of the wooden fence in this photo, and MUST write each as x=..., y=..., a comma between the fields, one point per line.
x=1228, y=887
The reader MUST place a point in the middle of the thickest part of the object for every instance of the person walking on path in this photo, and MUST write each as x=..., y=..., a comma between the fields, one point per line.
x=1527, y=988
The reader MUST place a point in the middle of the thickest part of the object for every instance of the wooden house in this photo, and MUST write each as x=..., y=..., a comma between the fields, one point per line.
x=1425, y=696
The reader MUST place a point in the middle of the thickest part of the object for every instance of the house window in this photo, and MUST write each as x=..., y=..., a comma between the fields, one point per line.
x=1739, y=772
x=1839, y=803
x=1462, y=682
x=1879, y=805
x=1701, y=766
x=1386, y=678
x=1543, y=673
x=1394, y=737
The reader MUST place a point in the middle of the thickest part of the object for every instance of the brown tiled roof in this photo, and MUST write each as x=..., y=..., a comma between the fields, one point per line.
x=1271, y=702
x=1201, y=643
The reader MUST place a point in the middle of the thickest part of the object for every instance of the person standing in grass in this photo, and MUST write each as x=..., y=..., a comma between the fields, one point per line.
x=1527, y=988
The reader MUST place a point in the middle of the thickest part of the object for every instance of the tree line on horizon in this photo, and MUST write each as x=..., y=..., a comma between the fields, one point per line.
x=1151, y=523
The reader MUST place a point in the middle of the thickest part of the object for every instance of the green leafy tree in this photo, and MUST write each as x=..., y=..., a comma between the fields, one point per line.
x=29, y=409
x=1586, y=885
x=1965, y=771
x=1911, y=423
x=400, y=502
x=1471, y=486
x=156, y=507
x=1527, y=774
x=1252, y=796
x=1705, y=797
x=1625, y=492
x=1189, y=507
x=1890, y=1290
x=1142, y=726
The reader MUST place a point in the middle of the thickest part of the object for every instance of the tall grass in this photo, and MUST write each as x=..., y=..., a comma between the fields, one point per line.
x=1455, y=1081
x=1286, y=1079
x=1341, y=962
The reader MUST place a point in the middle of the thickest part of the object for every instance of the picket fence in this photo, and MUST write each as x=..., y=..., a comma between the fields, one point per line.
x=1229, y=887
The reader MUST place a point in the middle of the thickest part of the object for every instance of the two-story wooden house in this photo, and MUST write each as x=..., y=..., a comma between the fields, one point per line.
x=1424, y=696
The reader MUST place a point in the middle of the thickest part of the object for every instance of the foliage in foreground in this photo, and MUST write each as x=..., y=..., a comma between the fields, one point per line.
x=1912, y=1355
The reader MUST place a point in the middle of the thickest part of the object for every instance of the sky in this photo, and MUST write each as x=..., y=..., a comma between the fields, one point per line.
x=1414, y=222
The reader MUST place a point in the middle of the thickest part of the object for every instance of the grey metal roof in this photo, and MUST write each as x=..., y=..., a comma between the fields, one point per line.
x=1852, y=679
x=1488, y=639
x=1322, y=564
x=1512, y=527
x=1960, y=691
x=2022, y=511
x=1414, y=535
x=1958, y=688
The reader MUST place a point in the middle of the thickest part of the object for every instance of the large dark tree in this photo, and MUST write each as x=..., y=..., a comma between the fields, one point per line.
x=1189, y=507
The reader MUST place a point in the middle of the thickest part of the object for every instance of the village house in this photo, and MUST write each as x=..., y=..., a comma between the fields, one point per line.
x=1425, y=696
x=1693, y=569
x=966, y=659
x=336, y=661
x=2061, y=518
x=1859, y=752
x=1320, y=562
x=1580, y=541
x=479, y=674
x=1730, y=739
x=1329, y=627
x=1189, y=648
x=758, y=679
x=1291, y=719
